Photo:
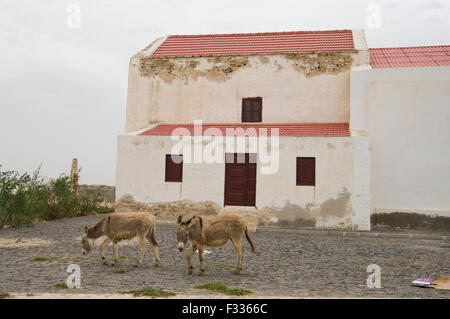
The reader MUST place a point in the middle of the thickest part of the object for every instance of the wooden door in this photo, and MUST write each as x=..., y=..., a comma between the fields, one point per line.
x=240, y=180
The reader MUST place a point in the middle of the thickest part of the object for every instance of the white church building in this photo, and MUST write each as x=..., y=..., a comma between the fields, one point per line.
x=307, y=125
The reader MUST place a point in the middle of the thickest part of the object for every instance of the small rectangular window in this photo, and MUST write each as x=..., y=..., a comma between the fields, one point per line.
x=252, y=109
x=306, y=171
x=174, y=168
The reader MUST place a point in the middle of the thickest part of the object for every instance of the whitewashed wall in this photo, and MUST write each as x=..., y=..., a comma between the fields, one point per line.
x=406, y=114
x=141, y=170
x=288, y=96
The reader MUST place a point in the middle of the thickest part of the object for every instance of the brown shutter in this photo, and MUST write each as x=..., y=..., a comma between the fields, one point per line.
x=306, y=171
x=252, y=109
x=174, y=168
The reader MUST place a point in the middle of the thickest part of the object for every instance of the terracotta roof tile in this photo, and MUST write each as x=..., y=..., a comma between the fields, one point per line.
x=297, y=129
x=410, y=57
x=254, y=43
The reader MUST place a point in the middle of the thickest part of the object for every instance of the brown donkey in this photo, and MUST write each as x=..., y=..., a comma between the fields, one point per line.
x=122, y=226
x=212, y=231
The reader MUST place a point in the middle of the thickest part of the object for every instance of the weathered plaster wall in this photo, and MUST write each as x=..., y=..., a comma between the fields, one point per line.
x=181, y=90
x=360, y=199
x=331, y=203
x=405, y=113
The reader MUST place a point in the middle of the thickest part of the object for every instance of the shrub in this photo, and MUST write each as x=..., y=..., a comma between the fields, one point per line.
x=25, y=199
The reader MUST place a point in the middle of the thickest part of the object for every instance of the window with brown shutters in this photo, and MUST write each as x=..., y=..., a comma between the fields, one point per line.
x=306, y=171
x=252, y=109
x=174, y=168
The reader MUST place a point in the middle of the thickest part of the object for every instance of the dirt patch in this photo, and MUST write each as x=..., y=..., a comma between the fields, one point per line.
x=292, y=215
x=338, y=207
x=296, y=222
x=311, y=215
x=23, y=242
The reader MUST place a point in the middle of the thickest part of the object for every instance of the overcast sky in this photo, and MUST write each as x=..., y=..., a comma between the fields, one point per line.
x=63, y=89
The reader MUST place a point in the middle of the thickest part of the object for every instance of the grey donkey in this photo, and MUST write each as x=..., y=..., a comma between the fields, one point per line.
x=122, y=226
x=212, y=231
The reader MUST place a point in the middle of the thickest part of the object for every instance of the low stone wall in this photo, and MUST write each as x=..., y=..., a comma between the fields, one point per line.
x=288, y=216
x=108, y=193
x=171, y=210
x=407, y=220
x=127, y=203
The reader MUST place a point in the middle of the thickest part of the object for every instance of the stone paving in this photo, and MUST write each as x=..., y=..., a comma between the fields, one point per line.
x=286, y=264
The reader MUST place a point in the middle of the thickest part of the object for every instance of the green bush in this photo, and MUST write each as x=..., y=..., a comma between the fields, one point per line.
x=26, y=198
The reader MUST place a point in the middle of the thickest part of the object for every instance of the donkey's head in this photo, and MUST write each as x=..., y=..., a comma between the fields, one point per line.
x=193, y=224
x=87, y=243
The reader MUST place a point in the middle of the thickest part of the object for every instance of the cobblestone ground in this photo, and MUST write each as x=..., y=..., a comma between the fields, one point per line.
x=286, y=264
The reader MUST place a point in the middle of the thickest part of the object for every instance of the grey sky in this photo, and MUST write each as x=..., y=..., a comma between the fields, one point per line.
x=63, y=91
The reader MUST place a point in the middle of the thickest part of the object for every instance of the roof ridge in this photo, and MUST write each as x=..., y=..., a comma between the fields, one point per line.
x=258, y=33
x=415, y=47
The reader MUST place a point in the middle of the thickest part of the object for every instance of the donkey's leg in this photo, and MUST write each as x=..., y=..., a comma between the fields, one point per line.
x=152, y=240
x=156, y=253
x=238, y=246
x=201, y=258
x=188, y=256
x=116, y=253
x=102, y=249
x=143, y=244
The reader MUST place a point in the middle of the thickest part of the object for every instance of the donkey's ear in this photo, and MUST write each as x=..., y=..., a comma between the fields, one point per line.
x=85, y=229
x=179, y=219
x=187, y=222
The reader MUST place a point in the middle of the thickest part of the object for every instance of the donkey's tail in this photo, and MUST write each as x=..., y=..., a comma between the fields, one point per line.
x=249, y=239
x=152, y=234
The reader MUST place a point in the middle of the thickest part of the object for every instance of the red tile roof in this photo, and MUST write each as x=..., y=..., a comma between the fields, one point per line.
x=254, y=43
x=298, y=129
x=410, y=57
